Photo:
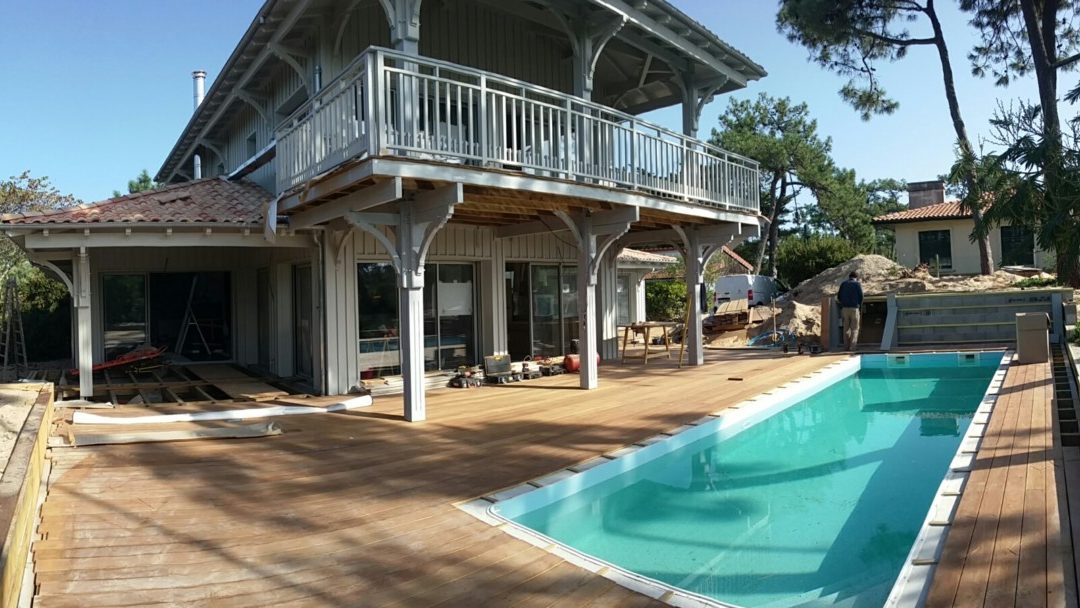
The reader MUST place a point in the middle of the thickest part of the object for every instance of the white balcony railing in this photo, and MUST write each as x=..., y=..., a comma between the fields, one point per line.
x=388, y=103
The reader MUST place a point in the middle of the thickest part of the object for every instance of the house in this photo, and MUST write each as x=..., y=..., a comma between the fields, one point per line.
x=937, y=233
x=401, y=186
x=633, y=268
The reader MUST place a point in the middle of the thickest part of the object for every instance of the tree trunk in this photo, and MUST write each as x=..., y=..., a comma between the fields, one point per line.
x=774, y=215
x=1042, y=37
x=986, y=261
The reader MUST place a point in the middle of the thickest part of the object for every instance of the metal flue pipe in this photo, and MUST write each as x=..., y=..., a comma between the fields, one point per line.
x=198, y=79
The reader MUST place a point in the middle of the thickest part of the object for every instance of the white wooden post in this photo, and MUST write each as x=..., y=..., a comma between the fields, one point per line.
x=699, y=244
x=695, y=278
x=420, y=218
x=594, y=234
x=86, y=331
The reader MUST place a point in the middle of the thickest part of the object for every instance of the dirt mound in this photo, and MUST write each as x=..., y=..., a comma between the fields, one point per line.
x=800, y=312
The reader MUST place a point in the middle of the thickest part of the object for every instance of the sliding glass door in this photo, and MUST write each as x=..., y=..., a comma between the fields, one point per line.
x=449, y=318
x=542, y=309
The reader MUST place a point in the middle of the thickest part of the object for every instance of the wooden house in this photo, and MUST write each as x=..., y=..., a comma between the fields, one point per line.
x=400, y=186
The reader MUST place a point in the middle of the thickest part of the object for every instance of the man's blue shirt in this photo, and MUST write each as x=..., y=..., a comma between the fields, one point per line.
x=850, y=294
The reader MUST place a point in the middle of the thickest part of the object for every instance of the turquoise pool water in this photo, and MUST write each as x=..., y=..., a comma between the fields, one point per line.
x=818, y=504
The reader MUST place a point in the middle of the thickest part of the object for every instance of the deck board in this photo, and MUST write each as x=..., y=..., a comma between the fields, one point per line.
x=1004, y=547
x=358, y=508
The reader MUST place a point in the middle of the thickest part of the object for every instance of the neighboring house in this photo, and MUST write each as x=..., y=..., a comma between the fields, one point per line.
x=937, y=232
x=398, y=186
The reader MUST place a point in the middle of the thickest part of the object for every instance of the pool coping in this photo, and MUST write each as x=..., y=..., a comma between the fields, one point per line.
x=913, y=583
x=482, y=507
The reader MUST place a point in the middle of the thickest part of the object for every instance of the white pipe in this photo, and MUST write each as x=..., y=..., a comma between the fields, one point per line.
x=198, y=78
x=241, y=414
x=198, y=81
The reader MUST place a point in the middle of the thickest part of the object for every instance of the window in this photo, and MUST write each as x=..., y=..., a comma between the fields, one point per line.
x=935, y=249
x=623, y=293
x=1017, y=246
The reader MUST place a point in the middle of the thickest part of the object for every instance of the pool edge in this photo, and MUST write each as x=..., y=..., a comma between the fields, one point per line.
x=913, y=583
x=482, y=507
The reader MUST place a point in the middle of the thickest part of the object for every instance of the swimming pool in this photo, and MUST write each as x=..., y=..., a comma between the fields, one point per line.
x=813, y=495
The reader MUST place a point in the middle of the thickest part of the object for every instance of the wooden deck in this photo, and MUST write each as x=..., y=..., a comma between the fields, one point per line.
x=1005, y=547
x=357, y=509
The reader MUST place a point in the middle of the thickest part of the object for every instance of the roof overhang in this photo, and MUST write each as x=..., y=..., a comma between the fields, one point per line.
x=38, y=237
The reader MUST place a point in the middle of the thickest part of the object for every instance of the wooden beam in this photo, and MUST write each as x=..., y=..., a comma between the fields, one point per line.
x=361, y=200
x=337, y=182
x=538, y=227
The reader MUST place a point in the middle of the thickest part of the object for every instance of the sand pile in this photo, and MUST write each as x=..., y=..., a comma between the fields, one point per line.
x=800, y=312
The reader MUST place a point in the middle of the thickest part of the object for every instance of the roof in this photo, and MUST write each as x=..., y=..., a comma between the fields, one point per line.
x=253, y=45
x=205, y=201
x=949, y=210
x=636, y=256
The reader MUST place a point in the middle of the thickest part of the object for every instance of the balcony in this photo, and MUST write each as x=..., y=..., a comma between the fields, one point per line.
x=390, y=104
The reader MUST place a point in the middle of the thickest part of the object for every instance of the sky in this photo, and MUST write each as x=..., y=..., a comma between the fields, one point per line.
x=98, y=91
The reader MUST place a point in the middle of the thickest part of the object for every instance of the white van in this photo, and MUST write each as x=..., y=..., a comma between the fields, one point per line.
x=755, y=288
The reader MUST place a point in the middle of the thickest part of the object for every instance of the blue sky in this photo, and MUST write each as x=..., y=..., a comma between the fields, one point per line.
x=101, y=90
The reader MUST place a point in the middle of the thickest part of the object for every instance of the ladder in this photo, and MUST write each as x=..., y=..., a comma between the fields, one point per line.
x=12, y=338
x=190, y=320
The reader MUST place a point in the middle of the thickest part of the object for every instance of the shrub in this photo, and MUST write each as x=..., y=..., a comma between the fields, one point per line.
x=665, y=300
x=799, y=258
x=1036, y=282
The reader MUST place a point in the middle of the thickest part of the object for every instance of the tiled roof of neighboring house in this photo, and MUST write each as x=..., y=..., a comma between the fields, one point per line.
x=205, y=201
x=636, y=256
x=949, y=210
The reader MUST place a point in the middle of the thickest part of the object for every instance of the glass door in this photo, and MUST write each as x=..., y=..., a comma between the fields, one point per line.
x=262, y=287
x=124, y=298
x=302, y=325
x=569, y=307
x=546, y=311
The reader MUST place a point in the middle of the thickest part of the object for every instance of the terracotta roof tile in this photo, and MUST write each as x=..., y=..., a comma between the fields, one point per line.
x=205, y=201
x=948, y=210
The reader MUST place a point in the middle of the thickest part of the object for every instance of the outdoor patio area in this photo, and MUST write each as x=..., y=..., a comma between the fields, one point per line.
x=358, y=509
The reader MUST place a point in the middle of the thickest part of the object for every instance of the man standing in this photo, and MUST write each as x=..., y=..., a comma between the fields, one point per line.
x=850, y=297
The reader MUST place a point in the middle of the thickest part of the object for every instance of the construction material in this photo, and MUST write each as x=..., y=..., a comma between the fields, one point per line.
x=800, y=312
x=21, y=488
x=12, y=339
x=235, y=383
x=262, y=429
x=234, y=414
x=139, y=356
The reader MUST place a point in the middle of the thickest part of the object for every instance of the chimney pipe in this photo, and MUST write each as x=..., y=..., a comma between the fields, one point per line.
x=198, y=80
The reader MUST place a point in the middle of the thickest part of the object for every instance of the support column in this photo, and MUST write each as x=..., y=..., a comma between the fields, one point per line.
x=404, y=18
x=595, y=233
x=85, y=324
x=493, y=300
x=414, y=227
x=699, y=244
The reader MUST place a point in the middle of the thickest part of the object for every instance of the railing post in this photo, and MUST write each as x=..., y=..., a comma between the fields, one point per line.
x=373, y=84
x=633, y=154
x=485, y=122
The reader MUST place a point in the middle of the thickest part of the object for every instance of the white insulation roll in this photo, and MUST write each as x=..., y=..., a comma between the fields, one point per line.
x=240, y=414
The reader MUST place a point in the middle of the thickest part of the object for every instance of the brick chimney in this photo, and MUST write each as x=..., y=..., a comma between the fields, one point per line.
x=922, y=194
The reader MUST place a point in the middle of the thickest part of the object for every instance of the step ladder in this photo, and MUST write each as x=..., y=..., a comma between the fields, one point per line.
x=12, y=339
